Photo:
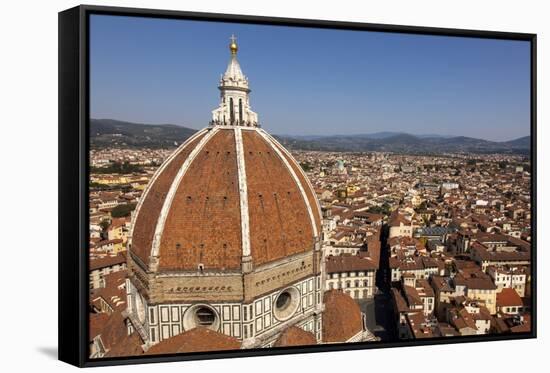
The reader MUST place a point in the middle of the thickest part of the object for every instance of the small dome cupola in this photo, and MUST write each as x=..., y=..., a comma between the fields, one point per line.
x=234, y=107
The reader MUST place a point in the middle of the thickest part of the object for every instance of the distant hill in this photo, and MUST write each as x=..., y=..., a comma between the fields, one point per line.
x=115, y=133
x=388, y=134
x=522, y=142
x=375, y=135
x=381, y=135
x=407, y=143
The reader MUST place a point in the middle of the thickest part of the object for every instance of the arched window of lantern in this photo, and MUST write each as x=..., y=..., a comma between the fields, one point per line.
x=231, y=110
x=240, y=110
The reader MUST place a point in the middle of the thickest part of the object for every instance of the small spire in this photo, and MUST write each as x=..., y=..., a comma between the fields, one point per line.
x=233, y=45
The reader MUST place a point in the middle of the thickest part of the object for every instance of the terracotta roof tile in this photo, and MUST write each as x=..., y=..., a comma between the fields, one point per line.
x=203, y=224
x=145, y=222
x=349, y=263
x=195, y=340
x=312, y=198
x=107, y=261
x=130, y=345
x=396, y=219
x=279, y=221
x=97, y=322
x=509, y=297
x=342, y=317
x=205, y=219
x=114, y=335
x=295, y=336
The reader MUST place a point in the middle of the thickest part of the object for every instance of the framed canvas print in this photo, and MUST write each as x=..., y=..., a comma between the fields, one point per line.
x=233, y=186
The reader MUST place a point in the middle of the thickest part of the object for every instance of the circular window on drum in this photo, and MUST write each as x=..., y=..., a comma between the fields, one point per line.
x=201, y=315
x=286, y=304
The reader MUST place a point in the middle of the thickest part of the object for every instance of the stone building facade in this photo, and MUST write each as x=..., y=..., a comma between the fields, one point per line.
x=354, y=275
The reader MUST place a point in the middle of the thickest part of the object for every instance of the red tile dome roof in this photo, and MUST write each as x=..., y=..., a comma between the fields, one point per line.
x=342, y=317
x=226, y=192
x=295, y=336
x=195, y=340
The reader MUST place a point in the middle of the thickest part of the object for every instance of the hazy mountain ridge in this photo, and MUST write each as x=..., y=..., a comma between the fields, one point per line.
x=522, y=142
x=114, y=133
x=110, y=132
x=407, y=143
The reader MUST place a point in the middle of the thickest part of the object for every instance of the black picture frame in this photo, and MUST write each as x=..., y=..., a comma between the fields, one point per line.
x=73, y=179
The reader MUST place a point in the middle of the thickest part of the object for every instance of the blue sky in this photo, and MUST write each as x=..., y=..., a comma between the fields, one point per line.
x=311, y=81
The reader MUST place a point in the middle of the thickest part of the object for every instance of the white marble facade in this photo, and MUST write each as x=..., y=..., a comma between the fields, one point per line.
x=257, y=324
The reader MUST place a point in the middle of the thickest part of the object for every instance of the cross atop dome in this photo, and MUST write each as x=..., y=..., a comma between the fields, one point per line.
x=233, y=47
x=234, y=109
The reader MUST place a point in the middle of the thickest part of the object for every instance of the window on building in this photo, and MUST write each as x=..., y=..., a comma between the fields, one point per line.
x=205, y=316
x=240, y=110
x=283, y=300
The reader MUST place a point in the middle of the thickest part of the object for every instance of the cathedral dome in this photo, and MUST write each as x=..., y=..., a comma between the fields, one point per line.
x=227, y=231
x=342, y=319
x=295, y=336
x=227, y=193
x=195, y=340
